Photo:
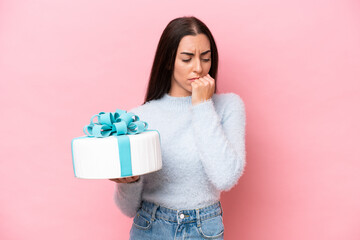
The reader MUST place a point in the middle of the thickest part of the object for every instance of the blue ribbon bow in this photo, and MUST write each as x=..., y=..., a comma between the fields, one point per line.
x=116, y=123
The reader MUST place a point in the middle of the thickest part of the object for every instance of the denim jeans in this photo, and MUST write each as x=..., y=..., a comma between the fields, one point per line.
x=157, y=222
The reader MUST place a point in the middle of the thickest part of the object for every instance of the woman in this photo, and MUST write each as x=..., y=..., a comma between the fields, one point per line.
x=202, y=141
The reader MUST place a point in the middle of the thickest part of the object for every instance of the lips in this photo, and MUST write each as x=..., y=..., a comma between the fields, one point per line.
x=192, y=79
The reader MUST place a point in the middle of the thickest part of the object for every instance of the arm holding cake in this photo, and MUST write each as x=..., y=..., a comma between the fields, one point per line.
x=127, y=194
x=221, y=145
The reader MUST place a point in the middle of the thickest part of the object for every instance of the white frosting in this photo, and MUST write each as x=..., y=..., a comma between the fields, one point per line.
x=98, y=158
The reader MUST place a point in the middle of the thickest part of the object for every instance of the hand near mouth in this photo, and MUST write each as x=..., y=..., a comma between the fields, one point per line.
x=202, y=89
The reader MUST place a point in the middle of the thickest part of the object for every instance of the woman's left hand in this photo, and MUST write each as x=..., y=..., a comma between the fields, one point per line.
x=202, y=89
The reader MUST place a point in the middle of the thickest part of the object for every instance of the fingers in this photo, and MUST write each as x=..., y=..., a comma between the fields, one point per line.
x=133, y=179
x=205, y=81
x=202, y=89
x=125, y=180
x=209, y=79
x=115, y=180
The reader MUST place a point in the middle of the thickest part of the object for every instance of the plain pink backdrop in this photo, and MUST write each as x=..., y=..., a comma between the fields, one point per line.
x=294, y=63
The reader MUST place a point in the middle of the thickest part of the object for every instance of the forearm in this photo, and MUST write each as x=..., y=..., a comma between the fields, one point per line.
x=127, y=197
x=221, y=146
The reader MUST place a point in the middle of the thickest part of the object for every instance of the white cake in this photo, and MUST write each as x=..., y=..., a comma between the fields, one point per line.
x=116, y=156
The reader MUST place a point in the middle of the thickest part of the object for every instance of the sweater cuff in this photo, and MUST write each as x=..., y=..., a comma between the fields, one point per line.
x=204, y=105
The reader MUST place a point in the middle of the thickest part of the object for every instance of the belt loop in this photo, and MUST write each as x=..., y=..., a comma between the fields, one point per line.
x=221, y=208
x=198, y=218
x=154, y=211
x=177, y=216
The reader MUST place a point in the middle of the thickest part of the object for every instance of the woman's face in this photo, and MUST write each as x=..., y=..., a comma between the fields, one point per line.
x=193, y=60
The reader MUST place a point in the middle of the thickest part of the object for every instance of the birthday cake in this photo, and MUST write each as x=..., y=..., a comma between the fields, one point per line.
x=119, y=145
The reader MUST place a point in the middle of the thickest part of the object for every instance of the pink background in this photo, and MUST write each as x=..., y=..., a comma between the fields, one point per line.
x=296, y=65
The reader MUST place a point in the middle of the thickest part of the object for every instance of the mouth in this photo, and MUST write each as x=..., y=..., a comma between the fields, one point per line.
x=193, y=79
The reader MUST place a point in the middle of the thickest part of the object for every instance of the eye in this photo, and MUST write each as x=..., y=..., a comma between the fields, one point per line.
x=188, y=60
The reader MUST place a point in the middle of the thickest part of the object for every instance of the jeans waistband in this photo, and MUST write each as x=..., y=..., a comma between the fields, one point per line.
x=181, y=216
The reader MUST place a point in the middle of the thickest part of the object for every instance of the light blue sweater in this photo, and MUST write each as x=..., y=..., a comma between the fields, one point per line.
x=203, y=152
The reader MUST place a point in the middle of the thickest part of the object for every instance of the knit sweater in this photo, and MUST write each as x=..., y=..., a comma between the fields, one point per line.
x=203, y=152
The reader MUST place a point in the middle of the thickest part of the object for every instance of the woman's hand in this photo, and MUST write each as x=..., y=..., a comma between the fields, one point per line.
x=202, y=89
x=125, y=180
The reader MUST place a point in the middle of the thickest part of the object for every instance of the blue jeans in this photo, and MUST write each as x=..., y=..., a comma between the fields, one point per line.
x=156, y=222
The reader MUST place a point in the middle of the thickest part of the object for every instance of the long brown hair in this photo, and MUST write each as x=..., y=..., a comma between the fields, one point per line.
x=163, y=65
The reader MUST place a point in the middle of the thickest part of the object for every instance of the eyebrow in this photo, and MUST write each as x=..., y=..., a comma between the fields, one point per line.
x=191, y=54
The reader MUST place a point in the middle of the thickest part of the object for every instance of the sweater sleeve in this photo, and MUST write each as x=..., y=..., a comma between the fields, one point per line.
x=127, y=197
x=221, y=144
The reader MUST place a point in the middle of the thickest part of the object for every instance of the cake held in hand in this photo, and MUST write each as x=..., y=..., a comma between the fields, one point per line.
x=119, y=145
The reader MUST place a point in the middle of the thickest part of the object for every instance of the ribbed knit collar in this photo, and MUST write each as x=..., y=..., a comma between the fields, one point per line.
x=176, y=103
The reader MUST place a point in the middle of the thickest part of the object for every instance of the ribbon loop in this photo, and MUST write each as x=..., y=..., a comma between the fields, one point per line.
x=137, y=127
x=127, y=118
x=106, y=119
x=116, y=123
x=121, y=128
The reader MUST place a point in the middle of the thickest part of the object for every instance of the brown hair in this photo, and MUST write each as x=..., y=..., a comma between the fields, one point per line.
x=164, y=60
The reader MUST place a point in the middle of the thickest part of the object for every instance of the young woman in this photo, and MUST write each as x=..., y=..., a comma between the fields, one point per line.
x=202, y=141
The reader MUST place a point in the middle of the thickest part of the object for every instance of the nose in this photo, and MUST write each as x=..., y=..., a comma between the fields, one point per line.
x=197, y=66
